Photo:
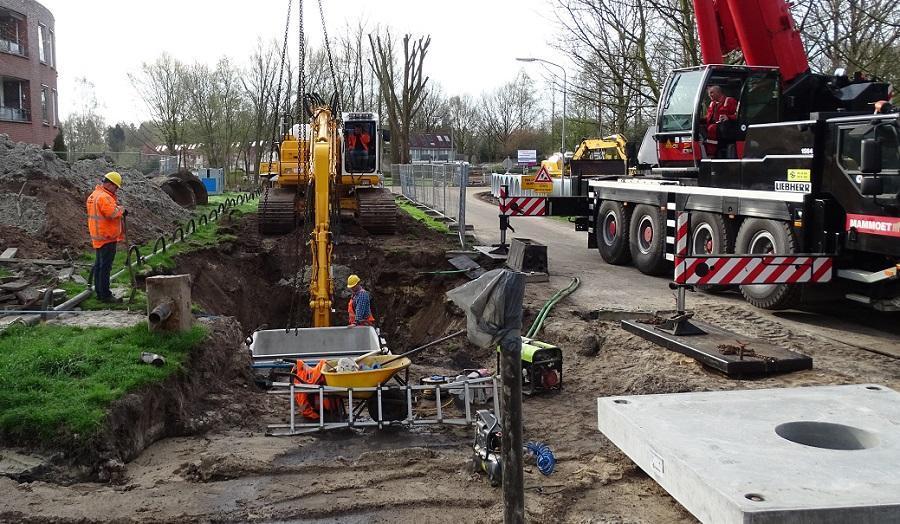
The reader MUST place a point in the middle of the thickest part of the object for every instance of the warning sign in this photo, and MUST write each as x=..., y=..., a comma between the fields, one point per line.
x=542, y=183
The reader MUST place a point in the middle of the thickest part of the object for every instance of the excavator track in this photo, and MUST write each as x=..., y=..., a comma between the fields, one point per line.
x=377, y=211
x=277, y=211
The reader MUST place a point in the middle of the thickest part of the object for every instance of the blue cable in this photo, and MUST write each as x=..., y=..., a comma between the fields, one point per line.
x=543, y=457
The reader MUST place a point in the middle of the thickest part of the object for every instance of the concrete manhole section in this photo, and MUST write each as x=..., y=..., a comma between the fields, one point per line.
x=756, y=457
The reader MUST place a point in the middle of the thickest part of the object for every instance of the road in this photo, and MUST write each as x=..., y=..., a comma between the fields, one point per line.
x=607, y=287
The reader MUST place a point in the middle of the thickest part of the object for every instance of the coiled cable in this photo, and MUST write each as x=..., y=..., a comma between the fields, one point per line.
x=543, y=457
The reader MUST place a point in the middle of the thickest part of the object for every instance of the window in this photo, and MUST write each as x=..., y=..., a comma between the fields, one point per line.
x=51, y=48
x=55, y=101
x=45, y=104
x=42, y=42
x=888, y=137
x=359, y=146
x=760, y=100
x=678, y=110
x=13, y=33
x=14, y=101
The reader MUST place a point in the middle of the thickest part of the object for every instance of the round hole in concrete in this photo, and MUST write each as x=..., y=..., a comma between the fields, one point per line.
x=873, y=388
x=755, y=497
x=827, y=435
x=620, y=401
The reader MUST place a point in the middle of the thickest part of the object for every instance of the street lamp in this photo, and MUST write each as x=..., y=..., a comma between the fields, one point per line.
x=564, y=90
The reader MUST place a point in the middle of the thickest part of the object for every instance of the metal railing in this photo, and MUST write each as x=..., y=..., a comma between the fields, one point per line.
x=15, y=114
x=439, y=187
x=15, y=48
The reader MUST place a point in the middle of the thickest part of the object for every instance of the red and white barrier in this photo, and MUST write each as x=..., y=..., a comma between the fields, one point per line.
x=753, y=269
x=523, y=206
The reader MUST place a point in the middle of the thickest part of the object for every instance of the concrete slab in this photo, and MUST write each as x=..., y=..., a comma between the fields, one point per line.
x=803, y=455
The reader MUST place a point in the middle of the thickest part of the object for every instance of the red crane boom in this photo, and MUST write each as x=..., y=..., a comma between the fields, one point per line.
x=763, y=30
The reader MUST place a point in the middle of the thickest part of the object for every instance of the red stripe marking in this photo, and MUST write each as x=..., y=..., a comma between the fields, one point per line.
x=714, y=268
x=805, y=265
x=532, y=205
x=780, y=269
x=735, y=271
x=818, y=275
x=756, y=271
x=692, y=267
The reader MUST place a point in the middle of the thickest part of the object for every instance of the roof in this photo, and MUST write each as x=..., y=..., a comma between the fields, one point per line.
x=430, y=141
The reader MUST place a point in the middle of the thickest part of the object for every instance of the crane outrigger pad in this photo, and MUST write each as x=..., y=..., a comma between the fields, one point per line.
x=731, y=353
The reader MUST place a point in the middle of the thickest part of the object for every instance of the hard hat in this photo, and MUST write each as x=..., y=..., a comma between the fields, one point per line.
x=352, y=281
x=115, y=178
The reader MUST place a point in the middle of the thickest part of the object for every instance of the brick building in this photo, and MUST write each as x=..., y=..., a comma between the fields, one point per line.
x=29, y=102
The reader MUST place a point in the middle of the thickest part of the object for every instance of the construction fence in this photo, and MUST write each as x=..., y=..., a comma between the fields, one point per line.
x=147, y=163
x=439, y=187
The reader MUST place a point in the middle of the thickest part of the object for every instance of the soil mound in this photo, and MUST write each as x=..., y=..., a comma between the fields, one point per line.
x=42, y=197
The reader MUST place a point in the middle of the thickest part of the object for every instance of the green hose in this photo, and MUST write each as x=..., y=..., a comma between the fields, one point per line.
x=545, y=310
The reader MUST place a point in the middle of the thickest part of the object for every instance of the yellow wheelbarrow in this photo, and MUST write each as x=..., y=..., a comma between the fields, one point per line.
x=368, y=378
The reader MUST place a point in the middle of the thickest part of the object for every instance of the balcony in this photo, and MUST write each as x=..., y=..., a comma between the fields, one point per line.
x=14, y=48
x=14, y=114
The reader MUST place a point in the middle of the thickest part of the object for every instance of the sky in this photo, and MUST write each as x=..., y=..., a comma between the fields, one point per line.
x=473, y=49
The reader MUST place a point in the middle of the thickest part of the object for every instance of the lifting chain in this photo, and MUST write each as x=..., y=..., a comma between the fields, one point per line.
x=302, y=167
x=334, y=81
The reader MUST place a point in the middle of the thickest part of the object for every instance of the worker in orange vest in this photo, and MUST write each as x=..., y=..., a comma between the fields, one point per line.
x=359, y=308
x=105, y=217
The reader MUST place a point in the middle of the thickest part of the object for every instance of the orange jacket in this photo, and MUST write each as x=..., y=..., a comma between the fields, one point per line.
x=364, y=140
x=104, y=218
x=308, y=403
x=351, y=315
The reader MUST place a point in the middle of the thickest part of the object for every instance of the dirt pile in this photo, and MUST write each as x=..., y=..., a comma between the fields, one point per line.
x=43, y=197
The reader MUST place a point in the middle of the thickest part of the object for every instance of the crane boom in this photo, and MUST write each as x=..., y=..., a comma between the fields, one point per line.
x=763, y=30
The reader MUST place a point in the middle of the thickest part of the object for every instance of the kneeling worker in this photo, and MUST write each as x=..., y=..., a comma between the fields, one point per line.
x=359, y=309
x=105, y=225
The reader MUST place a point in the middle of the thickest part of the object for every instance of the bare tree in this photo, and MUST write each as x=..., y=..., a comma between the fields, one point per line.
x=402, y=83
x=161, y=86
x=259, y=91
x=434, y=114
x=511, y=108
x=215, y=101
x=463, y=123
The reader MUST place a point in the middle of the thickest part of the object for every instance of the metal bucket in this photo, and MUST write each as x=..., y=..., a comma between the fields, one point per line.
x=313, y=343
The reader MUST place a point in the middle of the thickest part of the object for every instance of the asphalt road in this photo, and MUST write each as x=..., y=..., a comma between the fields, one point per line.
x=623, y=288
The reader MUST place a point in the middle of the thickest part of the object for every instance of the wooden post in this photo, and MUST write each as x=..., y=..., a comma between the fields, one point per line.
x=511, y=404
x=169, y=303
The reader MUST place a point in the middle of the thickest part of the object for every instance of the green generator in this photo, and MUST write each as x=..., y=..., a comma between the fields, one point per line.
x=541, y=366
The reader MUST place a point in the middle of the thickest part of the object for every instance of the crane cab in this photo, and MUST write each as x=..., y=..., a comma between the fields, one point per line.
x=682, y=135
x=361, y=149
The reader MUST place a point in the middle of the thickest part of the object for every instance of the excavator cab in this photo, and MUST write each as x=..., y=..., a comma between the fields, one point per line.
x=683, y=135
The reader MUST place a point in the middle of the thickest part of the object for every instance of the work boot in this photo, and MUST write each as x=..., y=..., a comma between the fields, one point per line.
x=110, y=300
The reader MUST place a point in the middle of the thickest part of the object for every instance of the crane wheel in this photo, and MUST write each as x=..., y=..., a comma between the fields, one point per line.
x=710, y=235
x=760, y=236
x=647, y=236
x=612, y=233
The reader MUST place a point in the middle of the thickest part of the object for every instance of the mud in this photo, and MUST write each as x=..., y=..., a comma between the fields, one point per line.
x=230, y=472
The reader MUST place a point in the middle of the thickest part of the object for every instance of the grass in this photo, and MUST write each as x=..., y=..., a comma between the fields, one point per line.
x=5, y=272
x=59, y=380
x=205, y=236
x=423, y=217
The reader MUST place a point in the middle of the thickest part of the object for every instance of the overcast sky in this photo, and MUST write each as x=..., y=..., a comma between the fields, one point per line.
x=473, y=48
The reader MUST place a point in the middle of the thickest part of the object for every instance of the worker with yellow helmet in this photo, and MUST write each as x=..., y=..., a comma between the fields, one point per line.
x=105, y=223
x=359, y=309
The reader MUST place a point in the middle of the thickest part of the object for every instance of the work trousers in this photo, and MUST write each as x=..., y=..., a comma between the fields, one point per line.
x=102, y=268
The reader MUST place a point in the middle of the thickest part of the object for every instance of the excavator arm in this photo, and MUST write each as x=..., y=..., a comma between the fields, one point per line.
x=326, y=159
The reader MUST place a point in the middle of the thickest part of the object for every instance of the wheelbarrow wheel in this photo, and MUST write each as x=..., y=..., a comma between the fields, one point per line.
x=393, y=406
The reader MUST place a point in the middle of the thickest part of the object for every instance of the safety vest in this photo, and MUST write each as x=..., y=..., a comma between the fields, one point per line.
x=351, y=312
x=364, y=141
x=308, y=403
x=104, y=218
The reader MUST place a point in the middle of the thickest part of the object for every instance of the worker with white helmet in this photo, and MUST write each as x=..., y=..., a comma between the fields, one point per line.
x=105, y=217
x=359, y=309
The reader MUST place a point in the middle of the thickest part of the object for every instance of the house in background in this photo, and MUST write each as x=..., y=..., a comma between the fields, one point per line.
x=431, y=147
x=29, y=103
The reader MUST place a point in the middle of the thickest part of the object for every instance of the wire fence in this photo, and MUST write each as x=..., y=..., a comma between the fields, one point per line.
x=144, y=162
x=439, y=187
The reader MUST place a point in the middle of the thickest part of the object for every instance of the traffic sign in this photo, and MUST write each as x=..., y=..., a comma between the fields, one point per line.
x=527, y=156
x=542, y=183
x=507, y=164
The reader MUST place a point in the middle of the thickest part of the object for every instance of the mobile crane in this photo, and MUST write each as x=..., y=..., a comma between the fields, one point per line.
x=807, y=167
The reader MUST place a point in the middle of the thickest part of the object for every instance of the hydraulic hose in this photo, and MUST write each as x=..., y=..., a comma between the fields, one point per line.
x=548, y=306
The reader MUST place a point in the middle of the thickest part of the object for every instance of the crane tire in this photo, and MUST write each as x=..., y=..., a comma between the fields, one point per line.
x=612, y=232
x=647, y=235
x=760, y=236
x=709, y=236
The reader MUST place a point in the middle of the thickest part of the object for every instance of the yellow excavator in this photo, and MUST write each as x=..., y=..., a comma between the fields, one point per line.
x=358, y=189
x=609, y=148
